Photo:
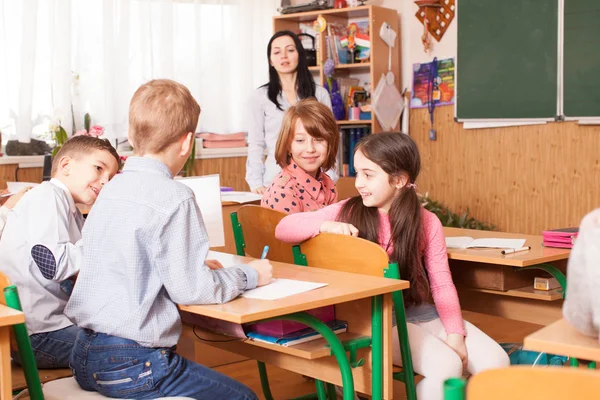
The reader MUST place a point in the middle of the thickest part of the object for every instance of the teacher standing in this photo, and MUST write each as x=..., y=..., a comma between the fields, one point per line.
x=289, y=81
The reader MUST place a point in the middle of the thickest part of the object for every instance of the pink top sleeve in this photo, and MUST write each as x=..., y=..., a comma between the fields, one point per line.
x=296, y=228
x=440, y=279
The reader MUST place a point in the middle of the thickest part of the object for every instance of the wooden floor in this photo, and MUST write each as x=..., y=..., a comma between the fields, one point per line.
x=285, y=385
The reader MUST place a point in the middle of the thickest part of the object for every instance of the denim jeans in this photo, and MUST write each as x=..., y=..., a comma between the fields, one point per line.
x=52, y=349
x=121, y=368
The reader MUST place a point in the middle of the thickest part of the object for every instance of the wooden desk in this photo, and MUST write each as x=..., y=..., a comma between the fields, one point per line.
x=537, y=255
x=352, y=295
x=8, y=317
x=519, y=301
x=562, y=339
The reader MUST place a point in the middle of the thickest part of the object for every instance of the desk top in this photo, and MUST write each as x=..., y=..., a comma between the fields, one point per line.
x=537, y=255
x=562, y=339
x=342, y=287
x=10, y=316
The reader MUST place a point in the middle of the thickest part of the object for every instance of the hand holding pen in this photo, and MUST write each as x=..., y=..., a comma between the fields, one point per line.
x=263, y=267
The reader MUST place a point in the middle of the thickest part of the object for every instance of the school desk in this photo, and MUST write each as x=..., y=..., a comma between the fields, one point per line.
x=363, y=301
x=8, y=317
x=521, y=303
x=562, y=339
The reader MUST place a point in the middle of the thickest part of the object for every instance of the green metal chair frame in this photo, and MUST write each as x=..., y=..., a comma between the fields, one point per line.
x=34, y=385
x=336, y=346
x=407, y=375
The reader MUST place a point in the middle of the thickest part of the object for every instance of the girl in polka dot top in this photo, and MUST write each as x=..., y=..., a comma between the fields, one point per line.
x=306, y=147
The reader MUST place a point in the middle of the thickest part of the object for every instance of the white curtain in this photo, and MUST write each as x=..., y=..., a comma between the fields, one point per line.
x=60, y=59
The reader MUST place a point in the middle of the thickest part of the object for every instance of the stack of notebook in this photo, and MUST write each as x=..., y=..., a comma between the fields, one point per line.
x=222, y=141
x=302, y=336
x=564, y=237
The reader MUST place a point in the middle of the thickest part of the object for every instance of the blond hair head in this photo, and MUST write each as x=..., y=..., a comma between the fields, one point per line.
x=161, y=111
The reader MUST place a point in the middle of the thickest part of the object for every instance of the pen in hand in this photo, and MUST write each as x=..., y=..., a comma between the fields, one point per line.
x=510, y=251
x=264, y=253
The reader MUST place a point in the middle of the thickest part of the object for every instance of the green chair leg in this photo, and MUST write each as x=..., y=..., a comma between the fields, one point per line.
x=331, y=395
x=455, y=388
x=25, y=350
x=337, y=349
x=264, y=380
x=321, y=394
x=407, y=375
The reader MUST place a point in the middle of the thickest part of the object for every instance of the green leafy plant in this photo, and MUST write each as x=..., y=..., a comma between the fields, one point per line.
x=188, y=167
x=59, y=135
x=450, y=219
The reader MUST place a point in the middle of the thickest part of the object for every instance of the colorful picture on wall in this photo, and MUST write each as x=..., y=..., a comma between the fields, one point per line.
x=443, y=87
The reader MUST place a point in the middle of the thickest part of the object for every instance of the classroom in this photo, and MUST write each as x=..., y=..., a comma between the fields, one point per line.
x=299, y=199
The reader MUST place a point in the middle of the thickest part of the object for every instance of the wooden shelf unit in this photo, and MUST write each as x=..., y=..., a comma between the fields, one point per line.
x=527, y=292
x=379, y=49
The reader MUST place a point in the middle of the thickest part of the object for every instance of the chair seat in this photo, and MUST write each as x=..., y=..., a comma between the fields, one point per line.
x=69, y=389
x=46, y=375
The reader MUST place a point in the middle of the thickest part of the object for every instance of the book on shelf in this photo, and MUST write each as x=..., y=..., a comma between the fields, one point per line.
x=302, y=336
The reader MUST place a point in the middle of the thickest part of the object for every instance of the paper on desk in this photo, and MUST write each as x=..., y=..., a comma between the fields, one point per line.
x=14, y=187
x=207, y=190
x=465, y=242
x=240, y=197
x=280, y=288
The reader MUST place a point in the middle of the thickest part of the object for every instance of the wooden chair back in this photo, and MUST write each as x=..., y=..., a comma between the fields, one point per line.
x=345, y=253
x=4, y=282
x=258, y=230
x=526, y=383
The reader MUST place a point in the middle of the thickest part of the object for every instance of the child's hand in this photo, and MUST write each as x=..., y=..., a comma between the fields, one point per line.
x=259, y=190
x=340, y=228
x=213, y=264
x=457, y=343
x=14, y=199
x=264, y=269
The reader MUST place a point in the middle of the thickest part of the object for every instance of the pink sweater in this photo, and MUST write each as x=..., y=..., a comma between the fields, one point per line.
x=298, y=227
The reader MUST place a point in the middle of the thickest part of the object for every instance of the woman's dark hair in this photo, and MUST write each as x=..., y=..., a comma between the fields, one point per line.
x=398, y=155
x=305, y=84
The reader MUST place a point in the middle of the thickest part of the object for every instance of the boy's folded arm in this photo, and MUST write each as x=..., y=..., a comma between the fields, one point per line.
x=50, y=242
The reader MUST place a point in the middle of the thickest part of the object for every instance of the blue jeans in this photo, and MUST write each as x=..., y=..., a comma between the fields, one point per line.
x=52, y=349
x=121, y=368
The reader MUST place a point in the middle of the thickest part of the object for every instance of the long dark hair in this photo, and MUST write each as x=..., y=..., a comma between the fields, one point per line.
x=398, y=155
x=305, y=84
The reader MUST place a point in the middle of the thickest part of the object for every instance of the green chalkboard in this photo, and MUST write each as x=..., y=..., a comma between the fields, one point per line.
x=507, y=59
x=582, y=58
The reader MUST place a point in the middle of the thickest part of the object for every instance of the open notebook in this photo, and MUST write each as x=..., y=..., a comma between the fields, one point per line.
x=465, y=242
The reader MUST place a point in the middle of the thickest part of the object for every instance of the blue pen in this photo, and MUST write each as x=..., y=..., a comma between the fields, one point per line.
x=264, y=253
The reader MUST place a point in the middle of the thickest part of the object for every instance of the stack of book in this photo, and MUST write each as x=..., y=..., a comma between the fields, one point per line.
x=563, y=238
x=301, y=336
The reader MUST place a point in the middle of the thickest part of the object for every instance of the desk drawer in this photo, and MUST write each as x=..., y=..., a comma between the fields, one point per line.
x=487, y=276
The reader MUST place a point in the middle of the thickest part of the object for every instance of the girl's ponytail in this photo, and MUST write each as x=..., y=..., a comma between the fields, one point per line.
x=406, y=226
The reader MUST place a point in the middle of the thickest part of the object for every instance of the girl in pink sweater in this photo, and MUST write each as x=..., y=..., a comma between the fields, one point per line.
x=388, y=212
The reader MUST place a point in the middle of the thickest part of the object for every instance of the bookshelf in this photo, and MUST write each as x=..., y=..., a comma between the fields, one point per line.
x=378, y=63
x=370, y=71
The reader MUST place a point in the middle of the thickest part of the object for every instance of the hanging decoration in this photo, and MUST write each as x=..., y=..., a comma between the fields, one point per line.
x=436, y=16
